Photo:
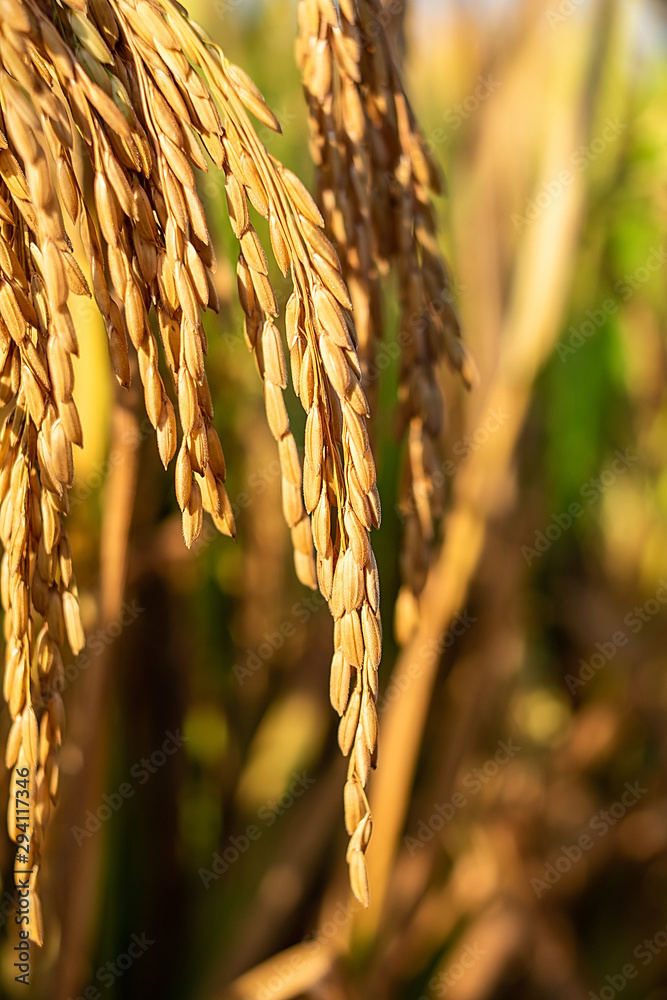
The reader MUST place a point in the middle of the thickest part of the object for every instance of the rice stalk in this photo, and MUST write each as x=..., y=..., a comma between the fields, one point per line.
x=376, y=176
x=150, y=99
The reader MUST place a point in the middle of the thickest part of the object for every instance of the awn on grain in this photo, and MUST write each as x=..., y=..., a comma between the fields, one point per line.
x=375, y=174
x=146, y=94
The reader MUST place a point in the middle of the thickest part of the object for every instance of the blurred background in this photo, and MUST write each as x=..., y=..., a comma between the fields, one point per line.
x=520, y=803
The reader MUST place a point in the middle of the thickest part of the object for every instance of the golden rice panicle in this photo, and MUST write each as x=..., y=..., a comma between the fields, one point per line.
x=375, y=176
x=37, y=338
x=262, y=336
x=149, y=95
x=158, y=250
x=339, y=502
x=87, y=68
x=329, y=53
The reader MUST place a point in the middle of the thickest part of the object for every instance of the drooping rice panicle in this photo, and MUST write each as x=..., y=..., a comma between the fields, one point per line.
x=148, y=99
x=375, y=178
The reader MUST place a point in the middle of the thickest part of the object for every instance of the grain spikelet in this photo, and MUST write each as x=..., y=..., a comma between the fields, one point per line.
x=375, y=180
x=148, y=91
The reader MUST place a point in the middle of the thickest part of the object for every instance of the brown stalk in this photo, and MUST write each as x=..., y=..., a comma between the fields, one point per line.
x=79, y=865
